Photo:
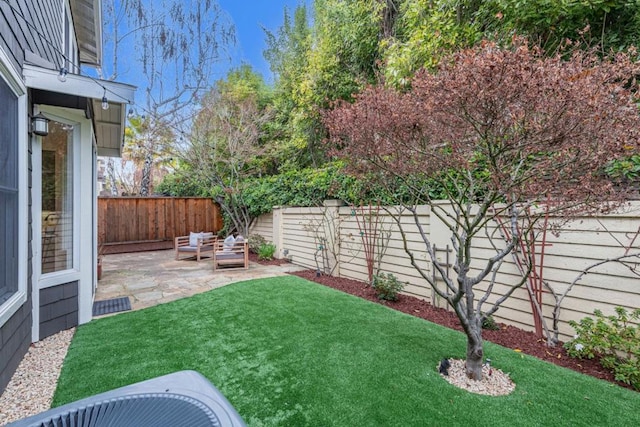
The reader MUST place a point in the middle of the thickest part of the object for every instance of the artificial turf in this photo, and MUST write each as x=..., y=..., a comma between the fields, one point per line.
x=288, y=352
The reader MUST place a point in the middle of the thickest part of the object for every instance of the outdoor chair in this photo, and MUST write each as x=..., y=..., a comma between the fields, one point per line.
x=195, y=244
x=231, y=253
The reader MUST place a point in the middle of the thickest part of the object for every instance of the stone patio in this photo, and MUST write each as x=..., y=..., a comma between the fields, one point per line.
x=152, y=278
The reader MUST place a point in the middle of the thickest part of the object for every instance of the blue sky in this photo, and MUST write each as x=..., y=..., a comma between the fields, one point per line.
x=249, y=16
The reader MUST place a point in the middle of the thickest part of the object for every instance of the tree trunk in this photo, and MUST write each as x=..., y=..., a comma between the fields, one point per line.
x=111, y=173
x=475, y=353
x=145, y=183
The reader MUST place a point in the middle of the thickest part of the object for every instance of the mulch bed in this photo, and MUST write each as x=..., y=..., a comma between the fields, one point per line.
x=507, y=336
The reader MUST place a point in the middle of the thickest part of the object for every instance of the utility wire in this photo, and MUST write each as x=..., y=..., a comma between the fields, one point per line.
x=61, y=53
x=78, y=68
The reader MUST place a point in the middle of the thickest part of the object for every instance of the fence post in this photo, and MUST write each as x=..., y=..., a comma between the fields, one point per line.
x=440, y=236
x=278, y=232
x=331, y=230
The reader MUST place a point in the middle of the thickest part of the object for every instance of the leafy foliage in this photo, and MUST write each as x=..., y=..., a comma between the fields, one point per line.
x=226, y=148
x=427, y=30
x=492, y=122
x=610, y=25
x=387, y=286
x=626, y=169
x=148, y=147
x=615, y=340
x=255, y=242
x=490, y=324
x=498, y=130
x=266, y=251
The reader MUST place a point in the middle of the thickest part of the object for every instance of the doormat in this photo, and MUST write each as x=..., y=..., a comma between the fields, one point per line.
x=111, y=306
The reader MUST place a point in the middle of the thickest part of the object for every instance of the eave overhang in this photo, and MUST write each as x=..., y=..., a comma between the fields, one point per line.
x=109, y=124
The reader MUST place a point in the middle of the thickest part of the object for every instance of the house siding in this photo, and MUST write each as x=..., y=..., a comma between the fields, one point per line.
x=15, y=337
x=35, y=26
x=15, y=334
x=58, y=308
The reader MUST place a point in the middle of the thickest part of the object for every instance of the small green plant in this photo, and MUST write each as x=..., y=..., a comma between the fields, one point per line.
x=255, y=242
x=615, y=340
x=490, y=323
x=266, y=251
x=387, y=286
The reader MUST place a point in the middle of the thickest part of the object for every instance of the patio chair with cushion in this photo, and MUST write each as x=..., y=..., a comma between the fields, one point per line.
x=231, y=252
x=195, y=244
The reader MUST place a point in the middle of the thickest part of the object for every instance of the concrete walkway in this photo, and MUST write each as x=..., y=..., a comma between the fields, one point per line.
x=151, y=278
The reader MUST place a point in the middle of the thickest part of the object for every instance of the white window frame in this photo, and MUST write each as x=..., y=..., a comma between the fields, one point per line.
x=56, y=278
x=10, y=76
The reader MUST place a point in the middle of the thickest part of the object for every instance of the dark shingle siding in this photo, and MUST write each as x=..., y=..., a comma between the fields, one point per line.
x=58, y=308
x=15, y=338
x=43, y=37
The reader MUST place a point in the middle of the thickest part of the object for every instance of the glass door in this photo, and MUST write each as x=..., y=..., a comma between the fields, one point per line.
x=57, y=198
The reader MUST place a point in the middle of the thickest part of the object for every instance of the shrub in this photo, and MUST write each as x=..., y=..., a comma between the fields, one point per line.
x=490, y=324
x=266, y=251
x=612, y=339
x=387, y=286
x=255, y=242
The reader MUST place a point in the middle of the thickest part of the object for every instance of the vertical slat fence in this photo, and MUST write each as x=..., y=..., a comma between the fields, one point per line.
x=130, y=224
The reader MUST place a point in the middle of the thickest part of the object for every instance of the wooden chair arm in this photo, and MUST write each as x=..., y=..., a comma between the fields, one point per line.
x=181, y=241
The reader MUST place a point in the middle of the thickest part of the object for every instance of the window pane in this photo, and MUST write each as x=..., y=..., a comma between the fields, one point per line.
x=8, y=244
x=8, y=137
x=57, y=198
x=8, y=192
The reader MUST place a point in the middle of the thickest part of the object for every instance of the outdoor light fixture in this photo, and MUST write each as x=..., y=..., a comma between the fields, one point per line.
x=63, y=74
x=105, y=101
x=40, y=125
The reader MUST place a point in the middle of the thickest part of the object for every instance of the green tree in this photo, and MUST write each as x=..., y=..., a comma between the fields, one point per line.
x=316, y=65
x=427, y=30
x=606, y=24
x=145, y=141
x=225, y=145
x=503, y=131
x=288, y=52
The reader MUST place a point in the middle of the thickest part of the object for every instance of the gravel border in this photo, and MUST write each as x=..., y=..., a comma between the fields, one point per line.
x=494, y=381
x=32, y=386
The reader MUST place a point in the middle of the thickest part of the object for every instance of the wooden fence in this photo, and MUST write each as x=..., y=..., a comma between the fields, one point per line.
x=329, y=238
x=128, y=224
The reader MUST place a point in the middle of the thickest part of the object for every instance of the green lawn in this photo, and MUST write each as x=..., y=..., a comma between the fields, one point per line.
x=288, y=352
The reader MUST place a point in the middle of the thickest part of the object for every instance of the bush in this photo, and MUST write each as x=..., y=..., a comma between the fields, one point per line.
x=490, y=324
x=255, y=242
x=612, y=339
x=387, y=286
x=266, y=251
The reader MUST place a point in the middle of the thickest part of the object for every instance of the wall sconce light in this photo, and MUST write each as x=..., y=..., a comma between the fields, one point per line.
x=40, y=125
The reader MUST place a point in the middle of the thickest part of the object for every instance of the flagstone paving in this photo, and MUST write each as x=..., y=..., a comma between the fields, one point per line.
x=152, y=278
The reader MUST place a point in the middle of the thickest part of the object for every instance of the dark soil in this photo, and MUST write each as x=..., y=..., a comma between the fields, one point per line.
x=507, y=336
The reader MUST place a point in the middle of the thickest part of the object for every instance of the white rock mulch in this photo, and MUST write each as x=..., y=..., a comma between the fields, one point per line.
x=31, y=388
x=494, y=381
